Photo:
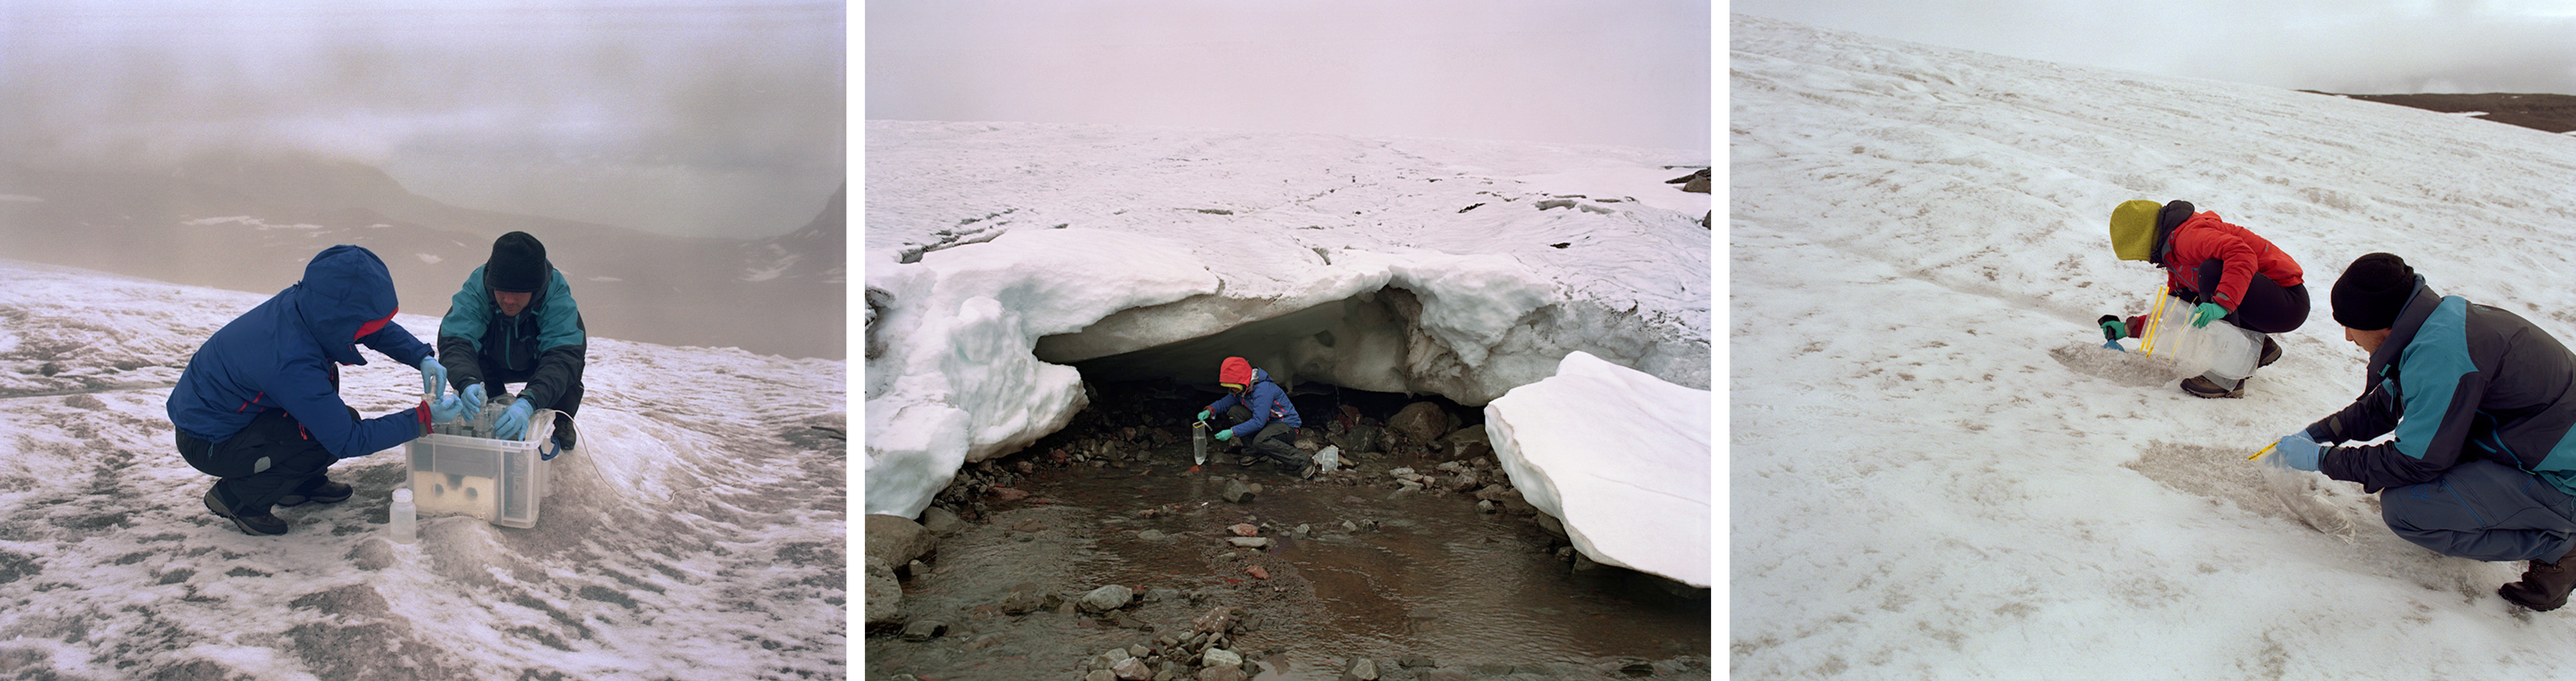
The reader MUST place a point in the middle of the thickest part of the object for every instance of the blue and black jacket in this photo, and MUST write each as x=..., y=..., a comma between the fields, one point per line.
x=545, y=345
x=1266, y=401
x=2457, y=381
x=286, y=354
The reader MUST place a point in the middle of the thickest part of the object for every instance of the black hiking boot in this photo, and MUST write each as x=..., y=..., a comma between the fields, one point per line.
x=319, y=490
x=254, y=524
x=2544, y=585
x=2203, y=387
x=2271, y=353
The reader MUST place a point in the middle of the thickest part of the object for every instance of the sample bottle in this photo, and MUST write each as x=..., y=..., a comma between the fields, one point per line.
x=403, y=520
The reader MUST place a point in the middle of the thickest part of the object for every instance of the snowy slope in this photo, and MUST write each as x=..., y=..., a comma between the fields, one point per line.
x=698, y=533
x=1921, y=488
x=1000, y=253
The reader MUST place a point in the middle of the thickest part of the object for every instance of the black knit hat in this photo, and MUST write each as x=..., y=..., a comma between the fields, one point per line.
x=518, y=264
x=2371, y=292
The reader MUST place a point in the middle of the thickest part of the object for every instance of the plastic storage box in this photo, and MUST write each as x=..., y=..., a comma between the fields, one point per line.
x=457, y=471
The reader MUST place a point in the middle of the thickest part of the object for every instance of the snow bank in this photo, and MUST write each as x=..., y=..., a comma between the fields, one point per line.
x=1623, y=458
x=1000, y=254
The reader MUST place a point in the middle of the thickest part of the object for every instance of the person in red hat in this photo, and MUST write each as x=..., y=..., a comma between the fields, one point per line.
x=1264, y=421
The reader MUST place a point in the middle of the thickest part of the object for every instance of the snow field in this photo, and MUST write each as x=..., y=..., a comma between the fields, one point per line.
x=1927, y=481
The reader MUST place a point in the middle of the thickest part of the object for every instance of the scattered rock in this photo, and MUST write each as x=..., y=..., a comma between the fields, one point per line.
x=1583, y=563
x=1249, y=542
x=1222, y=674
x=1256, y=572
x=1245, y=530
x=1236, y=492
x=896, y=539
x=1107, y=598
x=1026, y=598
x=1215, y=621
x=942, y=522
x=1133, y=669
x=1422, y=421
x=1220, y=657
x=1416, y=661
x=1008, y=494
x=1551, y=524
x=1139, y=650
x=1363, y=669
x=1151, y=535
x=923, y=630
x=1162, y=594
x=1468, y=443
x=1483, y=506
x=884, y=596
x=1100, y=675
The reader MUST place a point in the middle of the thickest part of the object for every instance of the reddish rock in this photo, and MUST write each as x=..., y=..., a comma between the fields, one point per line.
x=1008, y=494
x=1245, y=530
x=1257, y=572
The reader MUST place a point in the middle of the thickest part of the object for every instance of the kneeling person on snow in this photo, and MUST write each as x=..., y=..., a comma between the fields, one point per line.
x=1264, y=421
x=2222, y=271
x=2483, y=404
x=259, y=405
x=515, y=322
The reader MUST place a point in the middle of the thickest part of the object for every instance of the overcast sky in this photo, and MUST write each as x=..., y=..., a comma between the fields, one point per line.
x=710, y=118
x=2344, y=46
x=1624, y=73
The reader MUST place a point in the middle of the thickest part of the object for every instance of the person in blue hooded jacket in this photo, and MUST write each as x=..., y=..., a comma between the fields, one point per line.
x=1264, y=420
x=259, y=405
x=515, y=322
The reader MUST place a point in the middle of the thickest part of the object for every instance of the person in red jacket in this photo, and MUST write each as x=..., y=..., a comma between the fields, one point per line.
x=2220, y=271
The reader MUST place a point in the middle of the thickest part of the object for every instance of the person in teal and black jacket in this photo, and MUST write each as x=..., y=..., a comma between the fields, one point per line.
x=259, y=405
x=515, y=322
x=2482, y=403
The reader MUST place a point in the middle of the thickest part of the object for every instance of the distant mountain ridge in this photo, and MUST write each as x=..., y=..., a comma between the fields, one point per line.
x=2538, y=111
x=248, y=223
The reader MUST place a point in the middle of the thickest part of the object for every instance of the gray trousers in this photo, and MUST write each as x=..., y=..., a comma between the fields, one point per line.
x=1276, y=441
x=2485, y=511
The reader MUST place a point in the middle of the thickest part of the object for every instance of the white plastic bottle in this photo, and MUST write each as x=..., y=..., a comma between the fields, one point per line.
x=403, y=520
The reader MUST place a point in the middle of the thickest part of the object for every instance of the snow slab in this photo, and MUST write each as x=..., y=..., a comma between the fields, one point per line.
x=999, y=254
x=1922, y=486
x=699, y=531
x=1621, y=457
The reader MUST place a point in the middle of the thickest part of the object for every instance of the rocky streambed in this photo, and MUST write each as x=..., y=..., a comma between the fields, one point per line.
x=1099, y=554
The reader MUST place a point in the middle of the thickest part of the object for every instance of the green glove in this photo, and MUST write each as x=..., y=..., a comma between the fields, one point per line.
x=1224, y=435
x=2206, y=313
x=1204, y=414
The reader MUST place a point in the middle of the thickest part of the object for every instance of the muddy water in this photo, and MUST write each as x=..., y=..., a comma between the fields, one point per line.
x=1422, y=576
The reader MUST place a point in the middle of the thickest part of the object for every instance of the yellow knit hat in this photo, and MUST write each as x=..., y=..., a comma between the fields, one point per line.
x=2133, y=229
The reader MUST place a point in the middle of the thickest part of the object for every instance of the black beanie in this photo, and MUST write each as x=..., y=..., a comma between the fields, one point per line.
x=2371, y=292
x=518, y=264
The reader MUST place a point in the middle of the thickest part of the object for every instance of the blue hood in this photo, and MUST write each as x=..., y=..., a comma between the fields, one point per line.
x=344, y=287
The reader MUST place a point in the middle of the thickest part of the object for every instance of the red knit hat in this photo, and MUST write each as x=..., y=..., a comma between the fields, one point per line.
x=1234, y=371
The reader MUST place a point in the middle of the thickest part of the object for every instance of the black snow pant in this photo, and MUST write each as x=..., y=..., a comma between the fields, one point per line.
x=267, y=460
x=568, y=402
x=1277, y=441
x=2268, y=307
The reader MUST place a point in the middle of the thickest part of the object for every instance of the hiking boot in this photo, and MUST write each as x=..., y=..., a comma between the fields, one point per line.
x=263, y=524
x=319, y=490
x=2271, y=352
x=1308, y=473
x=2203, y=387
x=2544, y=585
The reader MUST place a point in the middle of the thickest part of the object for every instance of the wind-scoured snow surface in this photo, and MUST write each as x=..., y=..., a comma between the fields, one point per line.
x=697, y=533
x=1936, y=471
x=1602, y=446
x=1000, y=253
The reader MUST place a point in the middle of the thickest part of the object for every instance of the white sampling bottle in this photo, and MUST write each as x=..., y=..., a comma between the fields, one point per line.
x=403, y=521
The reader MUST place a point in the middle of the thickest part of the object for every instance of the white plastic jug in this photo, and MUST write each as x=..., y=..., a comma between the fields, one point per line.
x=402, y=520
x=2220, y=349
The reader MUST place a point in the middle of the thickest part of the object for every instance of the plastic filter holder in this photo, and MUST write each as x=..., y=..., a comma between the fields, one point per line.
x=2220, y=348
x=456, y=471
x=1198, y=442
x=403, y=521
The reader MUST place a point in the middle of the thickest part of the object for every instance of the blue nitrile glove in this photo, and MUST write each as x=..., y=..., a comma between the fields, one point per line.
x=433, y=376
x=445, y=408
x=513, y=424
x=2297, y=451
x=1224, y=435
x=1204, y=414
x=2206, y=313
x=474, y=400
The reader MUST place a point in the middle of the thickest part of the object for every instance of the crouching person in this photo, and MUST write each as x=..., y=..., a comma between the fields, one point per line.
x=259, y=405
x=2483, y=404
x=1263, y=419
x=515, y=322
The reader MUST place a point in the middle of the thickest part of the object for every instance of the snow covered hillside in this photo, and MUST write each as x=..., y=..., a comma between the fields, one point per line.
x=1001, y=254
x=1933, y=476
x=698, y=533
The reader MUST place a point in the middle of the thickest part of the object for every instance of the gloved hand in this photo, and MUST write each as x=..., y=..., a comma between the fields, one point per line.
x=445, y=408
x=433, y=376
x=2112, y=328
x=2297, y=451
x=474, y=401
x=2206, y=313
x=513, y=424
x=1224, y=435
x=1204, y=414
